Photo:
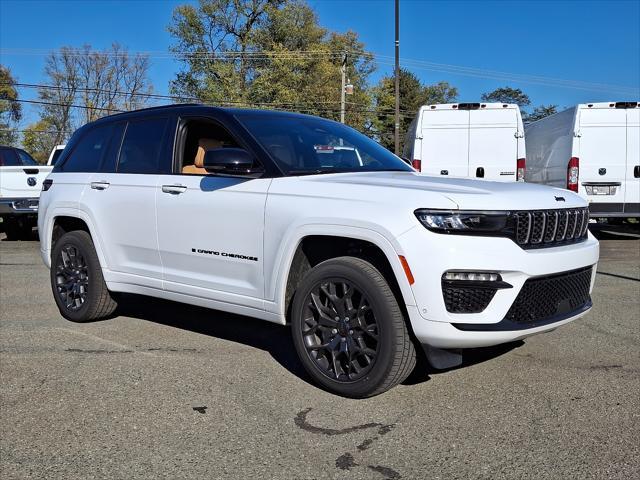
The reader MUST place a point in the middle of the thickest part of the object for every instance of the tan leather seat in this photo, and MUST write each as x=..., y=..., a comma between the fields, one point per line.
x=197, y=168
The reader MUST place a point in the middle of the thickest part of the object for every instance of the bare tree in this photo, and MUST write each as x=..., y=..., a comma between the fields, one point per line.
x=84, y=85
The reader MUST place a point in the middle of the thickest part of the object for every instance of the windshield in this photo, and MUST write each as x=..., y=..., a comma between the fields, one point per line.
x=312, y=145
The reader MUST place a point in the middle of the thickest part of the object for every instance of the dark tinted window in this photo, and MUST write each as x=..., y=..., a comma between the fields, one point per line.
x=306, y=145
x=111, y=156
x=56, y=156
x=8, y=158
x=26, y=159
x=140, y=151
x=87, y=154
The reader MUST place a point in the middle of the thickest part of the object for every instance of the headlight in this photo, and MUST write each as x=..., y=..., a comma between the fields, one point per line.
x=466, y=222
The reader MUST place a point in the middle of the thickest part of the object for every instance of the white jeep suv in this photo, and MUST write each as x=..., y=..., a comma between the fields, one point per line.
x=272, y=215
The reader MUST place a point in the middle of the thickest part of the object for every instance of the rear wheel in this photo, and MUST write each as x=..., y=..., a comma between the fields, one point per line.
x=349, y=330
x=76, y=279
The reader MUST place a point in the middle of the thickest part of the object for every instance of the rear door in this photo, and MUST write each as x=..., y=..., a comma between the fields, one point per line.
x=603, y=157
x=493, y=143
x=632, y=177
x=121, y=197
x=445, y=142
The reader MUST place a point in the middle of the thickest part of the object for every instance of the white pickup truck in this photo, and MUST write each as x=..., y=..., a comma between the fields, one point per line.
x=272, y=215
x=21, y=180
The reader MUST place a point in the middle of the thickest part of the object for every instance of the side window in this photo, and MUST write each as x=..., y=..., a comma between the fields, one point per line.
x=111, y=155
x=26, y=159
x=141, y=147
x=87, y=154
x=202, y=135
x=8, y=158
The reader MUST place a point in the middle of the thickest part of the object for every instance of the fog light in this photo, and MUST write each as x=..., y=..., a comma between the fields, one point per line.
x=472, y=276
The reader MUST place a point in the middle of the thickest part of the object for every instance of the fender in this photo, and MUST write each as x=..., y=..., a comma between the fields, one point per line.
x=276, y=285
x=76, y=213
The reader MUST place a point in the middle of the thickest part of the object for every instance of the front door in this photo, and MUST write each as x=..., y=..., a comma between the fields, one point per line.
x=210, y=227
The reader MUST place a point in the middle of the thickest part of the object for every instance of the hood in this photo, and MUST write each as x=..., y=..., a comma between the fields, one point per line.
x=466, y=193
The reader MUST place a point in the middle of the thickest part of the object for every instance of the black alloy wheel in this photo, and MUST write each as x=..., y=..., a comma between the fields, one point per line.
x=349, y=330
x=340, y=330
x=77, y=283
x=72, y=277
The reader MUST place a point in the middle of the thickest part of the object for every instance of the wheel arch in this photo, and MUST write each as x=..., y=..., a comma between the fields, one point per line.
x=313, y=246
x=67, y=220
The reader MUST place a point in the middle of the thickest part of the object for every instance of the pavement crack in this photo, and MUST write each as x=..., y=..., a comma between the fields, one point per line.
x=389, y=473
x=97, y=351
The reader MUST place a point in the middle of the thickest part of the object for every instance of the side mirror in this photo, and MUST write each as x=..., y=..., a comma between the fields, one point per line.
x=228, y=160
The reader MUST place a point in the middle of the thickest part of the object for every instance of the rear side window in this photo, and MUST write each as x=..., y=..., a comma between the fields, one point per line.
x=8, y=158
x=26, y=159
x=87, y=154
x=141, y=147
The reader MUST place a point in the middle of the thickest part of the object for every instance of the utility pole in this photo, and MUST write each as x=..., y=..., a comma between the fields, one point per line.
x=343, y=71
x=397, y=75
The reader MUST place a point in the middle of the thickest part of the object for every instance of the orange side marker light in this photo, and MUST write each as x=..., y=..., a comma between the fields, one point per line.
x=407, y=270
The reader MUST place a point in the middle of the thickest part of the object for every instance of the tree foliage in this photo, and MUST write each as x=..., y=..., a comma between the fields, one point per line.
x=507, y=95
x=10, y=109
x=267, y=53
x=100, y=82
x=39, y=139
x=540, y=112
x=413, y=94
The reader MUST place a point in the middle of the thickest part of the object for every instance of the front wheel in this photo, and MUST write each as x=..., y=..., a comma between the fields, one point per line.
x=349, y=330
x=76, y=279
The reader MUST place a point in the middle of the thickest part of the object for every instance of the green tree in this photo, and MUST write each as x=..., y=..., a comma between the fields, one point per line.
x=540, y=112
x=39, y=138
x=10, y=109
x=507, y=95
x=413, y=94
x=268, y=54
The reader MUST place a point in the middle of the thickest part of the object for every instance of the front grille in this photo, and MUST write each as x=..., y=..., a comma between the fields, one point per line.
x=549, y=228
x=466, y=299
x=542, y=298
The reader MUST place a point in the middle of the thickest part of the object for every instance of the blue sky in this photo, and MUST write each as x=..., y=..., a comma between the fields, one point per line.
x=592, y=42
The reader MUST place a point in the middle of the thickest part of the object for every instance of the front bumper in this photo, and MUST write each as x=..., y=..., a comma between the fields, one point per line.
x=430, y=255
x=19, y=206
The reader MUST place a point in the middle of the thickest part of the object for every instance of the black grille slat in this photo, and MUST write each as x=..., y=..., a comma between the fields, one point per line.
x=548, y=228
x=542, y=298
x=552, y=226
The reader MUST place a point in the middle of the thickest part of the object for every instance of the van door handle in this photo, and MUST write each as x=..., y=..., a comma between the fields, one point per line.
x=636, y=171
x=100, y=185
x=174, y=189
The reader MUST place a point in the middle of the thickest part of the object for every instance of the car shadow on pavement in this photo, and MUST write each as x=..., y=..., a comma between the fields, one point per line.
x=267, y=336
x=272, y=338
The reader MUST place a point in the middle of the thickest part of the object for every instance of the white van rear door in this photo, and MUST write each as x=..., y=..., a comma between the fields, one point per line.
x=493, y=144
x=603, y=156
x=632, y=178
x=445, y=142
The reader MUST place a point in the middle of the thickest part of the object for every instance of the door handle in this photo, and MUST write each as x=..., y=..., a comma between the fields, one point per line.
x=100, y=185
x=636, y=171
x=174, y=189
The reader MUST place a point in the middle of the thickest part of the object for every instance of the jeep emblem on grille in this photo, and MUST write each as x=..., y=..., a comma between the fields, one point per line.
x=559, y=199
x=31, y=181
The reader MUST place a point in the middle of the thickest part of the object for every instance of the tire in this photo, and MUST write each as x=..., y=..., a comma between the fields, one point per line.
x=76, y=279
x=18, y=229
x=365, y=356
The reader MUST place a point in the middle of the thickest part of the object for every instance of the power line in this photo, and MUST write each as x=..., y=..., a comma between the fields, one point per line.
x=379, y=58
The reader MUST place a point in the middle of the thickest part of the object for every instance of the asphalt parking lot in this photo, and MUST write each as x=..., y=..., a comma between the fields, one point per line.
x=171, y=391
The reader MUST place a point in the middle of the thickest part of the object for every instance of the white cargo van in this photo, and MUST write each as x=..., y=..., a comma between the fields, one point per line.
x=484, y=140
x=592, y=149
